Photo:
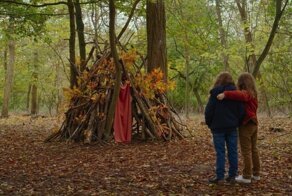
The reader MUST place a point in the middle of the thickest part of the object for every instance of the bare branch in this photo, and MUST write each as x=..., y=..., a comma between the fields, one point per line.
x=129, y=19
x=42, y=5
x=31, y=14
x=33, y=5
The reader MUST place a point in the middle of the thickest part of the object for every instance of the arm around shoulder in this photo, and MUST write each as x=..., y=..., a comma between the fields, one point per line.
x=238, y=95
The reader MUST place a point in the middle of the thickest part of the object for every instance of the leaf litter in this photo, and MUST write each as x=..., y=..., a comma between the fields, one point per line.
x=28, y=166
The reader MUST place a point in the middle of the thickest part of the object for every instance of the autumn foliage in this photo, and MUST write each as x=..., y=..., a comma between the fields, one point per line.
x=88, y=103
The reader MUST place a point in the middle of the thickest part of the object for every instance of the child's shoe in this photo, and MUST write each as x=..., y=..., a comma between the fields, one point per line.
x=230, y=180
x=216, y=181
x=256, y=178
x=240, y=179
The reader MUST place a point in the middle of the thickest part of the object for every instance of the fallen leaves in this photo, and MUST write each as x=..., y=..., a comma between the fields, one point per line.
x=30, y=167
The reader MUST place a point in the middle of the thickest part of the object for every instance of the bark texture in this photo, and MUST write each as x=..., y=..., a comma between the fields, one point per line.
x=8, y=78
x=156, y=36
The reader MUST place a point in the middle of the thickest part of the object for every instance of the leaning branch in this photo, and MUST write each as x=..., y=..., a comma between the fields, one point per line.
x=279, y=13
x=129, y=19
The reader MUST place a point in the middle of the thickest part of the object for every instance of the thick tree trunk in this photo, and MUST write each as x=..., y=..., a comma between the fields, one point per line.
x=223, y=37
x=80, y=32
x=73, y=74
x=34, y=88
x=8, y=78
x=156, y=36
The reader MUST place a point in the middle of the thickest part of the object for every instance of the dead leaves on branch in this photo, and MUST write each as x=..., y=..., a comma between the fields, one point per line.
x=89, y=104
x=152, y=83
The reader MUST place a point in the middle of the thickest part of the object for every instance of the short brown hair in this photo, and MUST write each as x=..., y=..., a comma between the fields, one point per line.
x=247, y=82
x=223, y=79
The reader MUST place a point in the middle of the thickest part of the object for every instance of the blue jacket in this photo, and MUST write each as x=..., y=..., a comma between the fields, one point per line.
x=225, y=115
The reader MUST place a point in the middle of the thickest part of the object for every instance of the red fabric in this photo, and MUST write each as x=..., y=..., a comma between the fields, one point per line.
x=123, y=115
x=250, y=103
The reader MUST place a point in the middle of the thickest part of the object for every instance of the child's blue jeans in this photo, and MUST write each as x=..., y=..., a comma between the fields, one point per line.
x=229, y=138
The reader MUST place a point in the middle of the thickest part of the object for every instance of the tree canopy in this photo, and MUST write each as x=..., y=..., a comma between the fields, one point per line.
x=202, y=38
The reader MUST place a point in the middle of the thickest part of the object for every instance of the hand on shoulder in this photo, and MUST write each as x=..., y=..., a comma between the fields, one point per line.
x=220, y=96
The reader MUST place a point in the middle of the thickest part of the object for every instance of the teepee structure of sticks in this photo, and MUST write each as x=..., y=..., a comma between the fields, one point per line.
x=87, y=114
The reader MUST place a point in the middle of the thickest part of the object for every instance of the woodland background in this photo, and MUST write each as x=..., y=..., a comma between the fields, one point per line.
x=202, y=38
x=44, y=43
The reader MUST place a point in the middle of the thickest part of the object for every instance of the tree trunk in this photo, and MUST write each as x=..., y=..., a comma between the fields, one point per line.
x=38, y=103
x=73, y=74
x=253, y=64
x=250, y=49
x=187, y=68
x=156, y=36
x=34, y=88
x=223, y=37
x=187, y=64
x=194, y=88
x=112, y=37
x=8, y=78
x=5, y=58
x=28, y=97
x=266, y=100
x=95, y=17
x=263, y=91
x=279, y=13
x=58, y=85
x=199, y=100
x=80, y=32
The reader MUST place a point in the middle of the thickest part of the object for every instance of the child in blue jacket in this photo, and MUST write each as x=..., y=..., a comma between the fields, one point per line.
x=223, y=118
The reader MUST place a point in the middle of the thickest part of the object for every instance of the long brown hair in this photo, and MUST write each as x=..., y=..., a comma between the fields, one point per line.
x=247, y=82
x=224, y=78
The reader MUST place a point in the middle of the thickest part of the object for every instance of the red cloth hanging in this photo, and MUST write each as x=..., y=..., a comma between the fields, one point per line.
x=123, y=115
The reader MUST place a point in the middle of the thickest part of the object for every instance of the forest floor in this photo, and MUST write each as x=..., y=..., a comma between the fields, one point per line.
x=28, y=166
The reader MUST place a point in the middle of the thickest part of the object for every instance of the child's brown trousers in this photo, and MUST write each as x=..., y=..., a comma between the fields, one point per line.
x=248, y=135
